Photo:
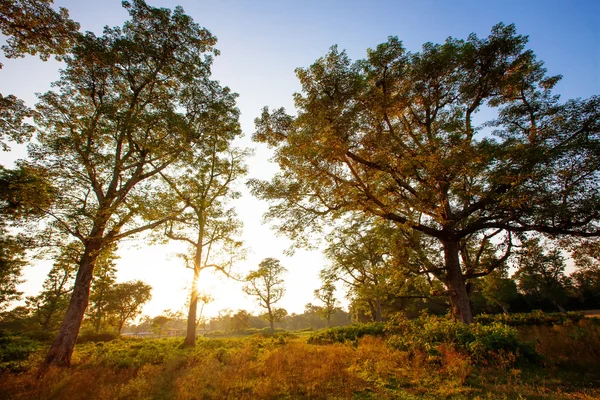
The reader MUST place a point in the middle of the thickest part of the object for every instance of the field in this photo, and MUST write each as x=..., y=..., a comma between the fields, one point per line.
x=432, y=359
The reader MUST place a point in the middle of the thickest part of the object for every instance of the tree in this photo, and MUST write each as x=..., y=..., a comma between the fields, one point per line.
x=240, y=321
x=203, y=180
x=11, y=263
x=394, y=136
x=125, y=301
x=50, y=305
x=499, y=290
x=204, y=299
x=326, y=294
x=102, y=286
x=586, y=277
x=266, y=284
x=159, y=322
x=33, y=27
x=378, y=265
x=127, y=105
x=541, y=274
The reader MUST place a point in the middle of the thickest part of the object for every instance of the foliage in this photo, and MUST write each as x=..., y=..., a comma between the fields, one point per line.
x=395, y=137
x=349, y=333
x=586, y=277
x=12, y=260
x=535, y=318
x=50, y=305
x=499, y=290
x=15, y=348
x=33, y=27
x=541, y=273
x=126, y=299
x=480, y=342
x=427, y=334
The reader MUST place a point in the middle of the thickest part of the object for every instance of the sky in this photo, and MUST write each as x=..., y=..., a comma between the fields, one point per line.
x=261, y=44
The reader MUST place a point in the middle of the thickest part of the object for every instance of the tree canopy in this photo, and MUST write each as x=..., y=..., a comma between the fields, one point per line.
x=395, y=136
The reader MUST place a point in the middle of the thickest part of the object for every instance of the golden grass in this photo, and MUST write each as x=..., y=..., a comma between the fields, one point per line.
x=266, y=368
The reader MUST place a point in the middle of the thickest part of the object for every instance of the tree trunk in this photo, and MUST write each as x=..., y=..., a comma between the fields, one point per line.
x=378, y=312
x=62, y=349
x=372, y=310
x=461, y=306
x=271, y=318
x=190, y=338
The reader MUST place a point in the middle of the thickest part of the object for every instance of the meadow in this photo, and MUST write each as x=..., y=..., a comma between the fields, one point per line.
x=430, y=357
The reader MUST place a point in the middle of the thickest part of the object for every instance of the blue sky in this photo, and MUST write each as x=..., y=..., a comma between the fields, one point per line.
x=262, y=42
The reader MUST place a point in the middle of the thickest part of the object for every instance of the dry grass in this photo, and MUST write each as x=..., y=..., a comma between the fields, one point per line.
x=263, y=368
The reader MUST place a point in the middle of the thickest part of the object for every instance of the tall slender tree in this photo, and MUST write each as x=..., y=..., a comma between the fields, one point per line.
x=326, y=294
x=266, y=284
x=204, y=180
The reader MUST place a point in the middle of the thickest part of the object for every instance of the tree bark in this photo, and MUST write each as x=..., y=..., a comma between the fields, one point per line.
x=271, y=319
x=62, y=349
x=459, y=298
x=378, y=311
x=190, y=337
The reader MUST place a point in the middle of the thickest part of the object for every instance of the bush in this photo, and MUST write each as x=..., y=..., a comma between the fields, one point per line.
x=40, y=336
x=15, y=351
x=480, y=342
x=534, y=318
x=352, y=333
x=96, y=337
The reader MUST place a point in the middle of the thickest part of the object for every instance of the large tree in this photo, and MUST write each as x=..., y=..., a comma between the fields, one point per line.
x=127, y=105
x=398, y=136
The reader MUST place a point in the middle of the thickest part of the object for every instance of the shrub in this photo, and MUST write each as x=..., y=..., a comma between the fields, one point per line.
x=96, y=337
x=15, y=350
x=41, y=336
x=534, y=318
x=481, y=342
x=352, y=333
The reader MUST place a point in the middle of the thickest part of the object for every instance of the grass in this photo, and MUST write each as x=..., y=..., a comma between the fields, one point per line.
x=286, y=367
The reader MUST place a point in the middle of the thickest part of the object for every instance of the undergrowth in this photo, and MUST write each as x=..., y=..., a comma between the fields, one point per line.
x=425, y=358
